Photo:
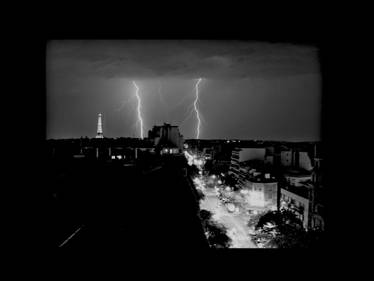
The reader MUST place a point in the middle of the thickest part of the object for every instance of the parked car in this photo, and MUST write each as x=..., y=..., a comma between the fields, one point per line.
x=230, y=207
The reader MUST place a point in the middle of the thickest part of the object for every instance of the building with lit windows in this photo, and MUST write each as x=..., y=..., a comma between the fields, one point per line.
x=166, y=138
x=262, y=194
x=99, y=134
x=297, y=199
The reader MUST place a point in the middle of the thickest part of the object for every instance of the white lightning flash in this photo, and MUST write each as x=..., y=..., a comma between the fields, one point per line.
x=196, y=110
x=139, y=109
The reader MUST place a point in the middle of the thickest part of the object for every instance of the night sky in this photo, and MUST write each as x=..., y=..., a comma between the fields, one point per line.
x=250, y=90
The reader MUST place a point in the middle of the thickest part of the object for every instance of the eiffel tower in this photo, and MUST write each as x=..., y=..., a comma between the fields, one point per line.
x=99, y=134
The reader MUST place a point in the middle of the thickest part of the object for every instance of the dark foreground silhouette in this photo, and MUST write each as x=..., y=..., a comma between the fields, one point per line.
x=114, y=207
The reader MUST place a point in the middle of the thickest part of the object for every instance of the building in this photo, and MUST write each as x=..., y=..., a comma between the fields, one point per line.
x=208, y=152
x=122, y=153
x=298, y=201
x=297, y=178
x=259, y=187
x=305, y=162
x=296, y=158
x=262, y=194
x=318, y=221
x=246, y=154
x=221, y=158
x=234, y=169
x=239, y=158
x=166, y=138
x=99, y=134
x=269, y=160
x=303, y=192
x=317, y=174
x=286, y=158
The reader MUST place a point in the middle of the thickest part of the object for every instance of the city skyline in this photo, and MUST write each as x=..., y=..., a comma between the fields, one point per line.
x=249, y=90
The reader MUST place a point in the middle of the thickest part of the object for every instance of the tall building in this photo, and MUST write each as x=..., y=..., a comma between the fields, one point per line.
x=241, y=155
x=221, y=158
x=167, y=138
x=99, y=134
x=261, y=194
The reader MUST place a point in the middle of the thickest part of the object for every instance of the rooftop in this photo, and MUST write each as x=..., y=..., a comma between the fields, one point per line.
x=297, y=173
x=302, y=191
x=165, y=125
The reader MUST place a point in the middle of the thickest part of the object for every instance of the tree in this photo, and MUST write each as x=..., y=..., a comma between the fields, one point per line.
x=192, y=170
x=200, y=195
x=215, y=233
x=217, y=236
x=205, y=215
x=253, y=220
x=282, y=229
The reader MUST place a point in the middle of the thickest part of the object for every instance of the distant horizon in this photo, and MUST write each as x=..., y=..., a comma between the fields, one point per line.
x=191, y=139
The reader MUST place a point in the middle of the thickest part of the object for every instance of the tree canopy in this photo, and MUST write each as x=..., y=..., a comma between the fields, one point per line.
x=282, y=229
x=216, y=233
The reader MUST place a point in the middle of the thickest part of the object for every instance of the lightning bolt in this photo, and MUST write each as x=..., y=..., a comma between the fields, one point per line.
x=140, y=119
x=196, y=110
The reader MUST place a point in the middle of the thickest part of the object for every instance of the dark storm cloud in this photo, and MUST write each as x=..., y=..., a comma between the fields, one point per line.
x=184, y=59
x=263, y=90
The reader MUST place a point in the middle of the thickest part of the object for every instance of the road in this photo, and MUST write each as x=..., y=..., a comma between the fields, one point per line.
x=238, y=231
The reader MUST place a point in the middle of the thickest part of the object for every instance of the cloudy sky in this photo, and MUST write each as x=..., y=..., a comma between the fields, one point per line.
x=249, y=90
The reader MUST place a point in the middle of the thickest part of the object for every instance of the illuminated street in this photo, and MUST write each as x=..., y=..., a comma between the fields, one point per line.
x=236, y=223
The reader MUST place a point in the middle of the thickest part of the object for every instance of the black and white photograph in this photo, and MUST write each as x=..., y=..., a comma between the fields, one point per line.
x=184, y=145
